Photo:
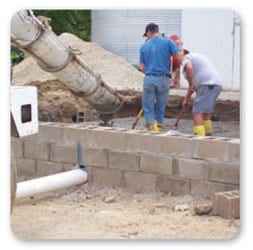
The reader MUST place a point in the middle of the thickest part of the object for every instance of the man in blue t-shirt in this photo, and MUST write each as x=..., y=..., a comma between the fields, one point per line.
x=155, y=55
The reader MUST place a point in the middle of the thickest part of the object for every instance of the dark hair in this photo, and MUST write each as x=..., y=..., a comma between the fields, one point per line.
x=152, y=27
x=186, y=51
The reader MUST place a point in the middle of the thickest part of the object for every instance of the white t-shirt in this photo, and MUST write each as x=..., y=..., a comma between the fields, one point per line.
x=204, y=73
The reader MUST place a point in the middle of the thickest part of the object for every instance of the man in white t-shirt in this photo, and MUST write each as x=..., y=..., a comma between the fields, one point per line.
x=203, y=79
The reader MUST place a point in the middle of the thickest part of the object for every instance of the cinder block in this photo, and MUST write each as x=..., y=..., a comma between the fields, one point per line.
x=33, y=137
x=84, y=115
x=227, y=204
x=224, y=172
x=84, y=135
x=210, y=148
x=17, y=147
x=26, y=169
x=44, y=168
x=234, y=151
x=95, y=157
x=69, y=166
x=123, y=160
x=64, y=154
x=176, y=145
x=156, y=164
x=36, y=150
x=106, y=176
x=139, y=181
x=206, y=189
x=143, y=142
x=175, y=186
x=49, y=133
x=190, y=168
x=109, y=138
x=80, y=116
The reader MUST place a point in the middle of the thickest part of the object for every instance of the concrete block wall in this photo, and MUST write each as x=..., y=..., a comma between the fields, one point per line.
x=140, y=160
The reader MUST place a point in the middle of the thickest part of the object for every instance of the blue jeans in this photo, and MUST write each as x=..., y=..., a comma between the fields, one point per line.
x=155, y=90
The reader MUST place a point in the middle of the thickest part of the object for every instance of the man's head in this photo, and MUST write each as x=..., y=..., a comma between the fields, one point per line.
x=150, y=29
x=177, y=40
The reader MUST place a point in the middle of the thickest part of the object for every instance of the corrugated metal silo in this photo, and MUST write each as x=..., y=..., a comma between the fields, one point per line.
x=121, y=31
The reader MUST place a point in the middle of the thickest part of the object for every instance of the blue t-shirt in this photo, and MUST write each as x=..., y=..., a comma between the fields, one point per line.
x=155, y=54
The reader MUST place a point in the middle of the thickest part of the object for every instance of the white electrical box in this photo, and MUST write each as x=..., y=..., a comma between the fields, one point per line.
x=24, y=110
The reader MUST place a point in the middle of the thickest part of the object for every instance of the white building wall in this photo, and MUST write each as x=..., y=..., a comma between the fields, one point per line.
x=121, y=31
x=216, y=34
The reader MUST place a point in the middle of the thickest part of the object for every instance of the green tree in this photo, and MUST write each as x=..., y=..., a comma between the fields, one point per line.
x=16, y=55
x=77, y=22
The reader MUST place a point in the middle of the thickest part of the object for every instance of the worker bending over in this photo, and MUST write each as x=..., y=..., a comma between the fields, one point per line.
x=204, y=79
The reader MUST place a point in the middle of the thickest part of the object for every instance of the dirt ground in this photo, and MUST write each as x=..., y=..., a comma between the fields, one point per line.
x=92, y=212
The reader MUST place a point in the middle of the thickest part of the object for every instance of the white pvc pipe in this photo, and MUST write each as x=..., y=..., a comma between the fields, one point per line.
x=51, y=183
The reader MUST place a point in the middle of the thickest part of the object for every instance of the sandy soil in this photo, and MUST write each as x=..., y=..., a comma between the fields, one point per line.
x=91, y=212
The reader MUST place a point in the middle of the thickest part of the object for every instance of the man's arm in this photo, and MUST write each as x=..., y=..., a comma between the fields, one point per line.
x=142, y=67
x=176, y=78
x=189, y=76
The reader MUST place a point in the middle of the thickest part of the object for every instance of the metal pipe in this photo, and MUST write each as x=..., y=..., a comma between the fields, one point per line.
x=37, y=39
x=51, y=183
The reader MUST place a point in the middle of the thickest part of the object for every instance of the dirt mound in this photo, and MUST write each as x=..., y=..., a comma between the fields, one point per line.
x=115, y=71
x=57, y=102
x=27, y=72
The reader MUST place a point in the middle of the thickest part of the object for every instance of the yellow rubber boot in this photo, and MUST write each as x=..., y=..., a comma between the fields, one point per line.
x=152, y=126
x=160, y=127
x=199, y=130
x=208, y=127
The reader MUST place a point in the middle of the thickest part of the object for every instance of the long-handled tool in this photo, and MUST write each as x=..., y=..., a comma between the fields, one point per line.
x=178, y=118
x=137, y=118
x=174, y=129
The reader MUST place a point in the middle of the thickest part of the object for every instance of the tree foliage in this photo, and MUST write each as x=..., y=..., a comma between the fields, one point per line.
x=77, y=22
x=16, y=55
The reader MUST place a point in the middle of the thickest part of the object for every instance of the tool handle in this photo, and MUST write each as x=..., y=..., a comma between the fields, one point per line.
x=135, y=122
x=137, y=118
x=179, y=117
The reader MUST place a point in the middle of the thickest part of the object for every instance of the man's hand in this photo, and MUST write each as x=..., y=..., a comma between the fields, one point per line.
x=188, y=97
x=172, y=83
x=185, y=103
x=141, y=67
